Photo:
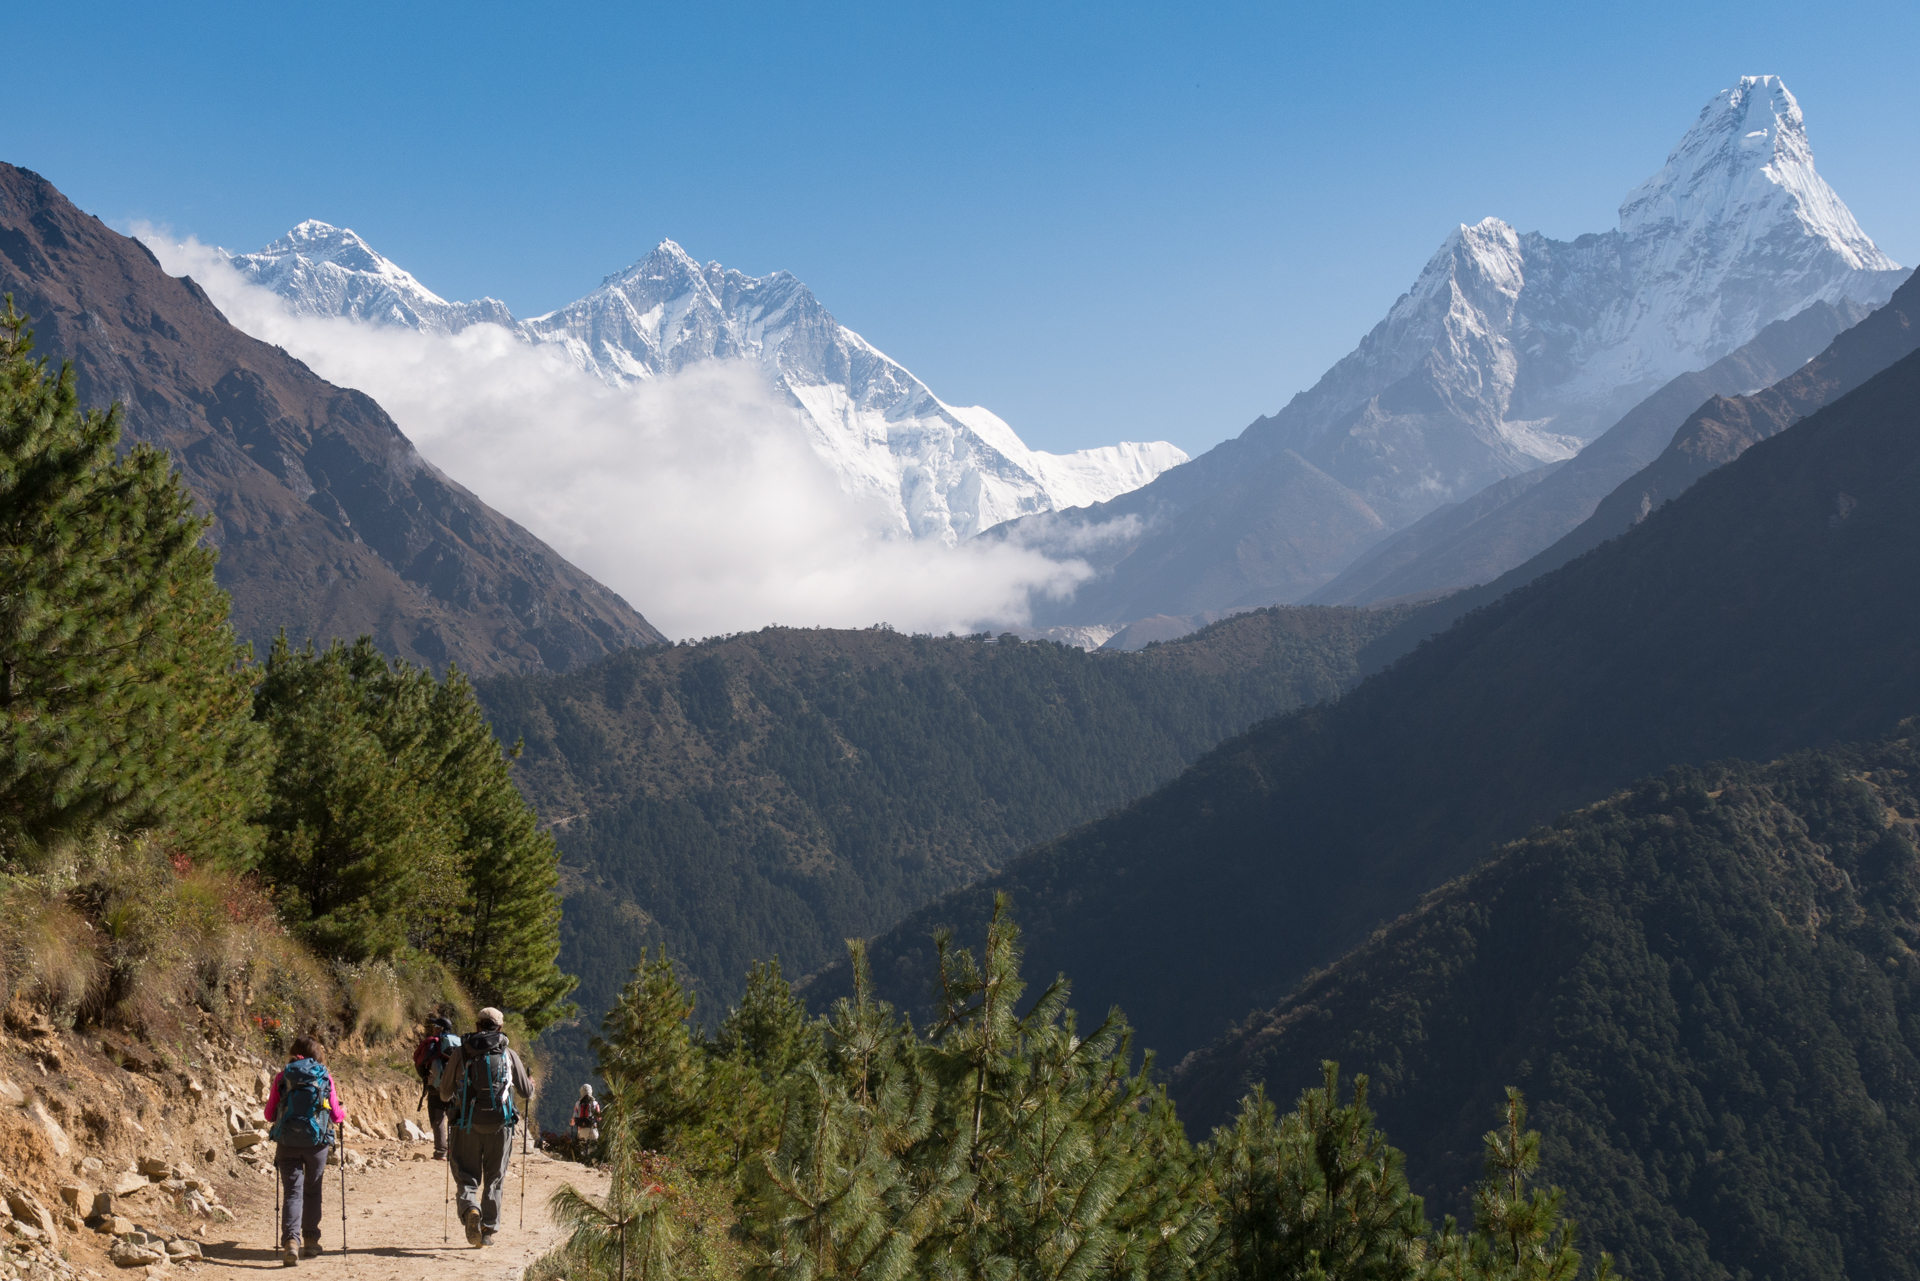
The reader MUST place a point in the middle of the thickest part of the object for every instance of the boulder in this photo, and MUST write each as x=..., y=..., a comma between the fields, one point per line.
x=154, y=1167
x=102, y=1206
x=410, y=1131
x=247, y=1139
x=184, y=1248
x=11, y=1094
x=126, y=1254
x=27, y=1209
x=56, y=1137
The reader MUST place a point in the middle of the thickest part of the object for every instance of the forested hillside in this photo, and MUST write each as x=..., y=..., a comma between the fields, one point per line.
x=778, y=792
x=1708, y=987
x=1759, y=613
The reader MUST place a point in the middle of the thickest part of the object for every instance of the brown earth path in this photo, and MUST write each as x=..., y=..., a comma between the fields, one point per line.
x=394, y=1222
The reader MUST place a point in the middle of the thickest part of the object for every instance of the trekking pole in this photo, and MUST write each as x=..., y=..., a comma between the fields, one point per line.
x=343, y=1201
x=278, y=1210
x=525, y=1153
x=446, y=1202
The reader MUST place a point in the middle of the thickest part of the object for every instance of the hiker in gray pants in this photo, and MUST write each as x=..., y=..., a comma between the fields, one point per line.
x=475, y=1080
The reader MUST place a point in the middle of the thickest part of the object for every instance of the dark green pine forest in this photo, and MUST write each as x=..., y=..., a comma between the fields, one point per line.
x=1708, y=988
x=1763, y=611
x=775, y=793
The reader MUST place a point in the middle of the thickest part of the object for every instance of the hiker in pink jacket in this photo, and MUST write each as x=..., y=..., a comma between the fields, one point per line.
x=304, y=1106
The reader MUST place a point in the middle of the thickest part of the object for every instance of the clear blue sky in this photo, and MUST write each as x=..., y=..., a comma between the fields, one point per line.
x=1102, y=221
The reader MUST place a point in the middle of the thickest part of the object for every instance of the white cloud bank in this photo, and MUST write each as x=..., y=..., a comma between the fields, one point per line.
x=694, y=496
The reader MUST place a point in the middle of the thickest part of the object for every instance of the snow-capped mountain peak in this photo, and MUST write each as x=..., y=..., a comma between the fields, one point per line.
x=1511, y=349
x=944, y=473
x=324, y=270
x=1747, y=160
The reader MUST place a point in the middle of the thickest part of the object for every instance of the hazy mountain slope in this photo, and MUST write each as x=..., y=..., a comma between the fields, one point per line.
x=328, y=523
x=1507, y=353
x=1755, y=615
x=936, y=470
x=1708, y=988
x=1477, y=540
x=777, y=792
x=1712, y=435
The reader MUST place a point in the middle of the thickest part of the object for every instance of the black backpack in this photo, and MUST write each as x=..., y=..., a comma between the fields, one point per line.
x=485, y=1104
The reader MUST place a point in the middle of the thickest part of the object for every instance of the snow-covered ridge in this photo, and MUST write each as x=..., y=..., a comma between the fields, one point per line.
x=937, y=471
x=1512, y=350
x=323, y=270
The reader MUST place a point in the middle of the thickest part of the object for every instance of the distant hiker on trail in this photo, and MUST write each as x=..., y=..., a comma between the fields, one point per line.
x=586, y=1123
x=304, y=1107
x=480, y=1078
x=428, y=1058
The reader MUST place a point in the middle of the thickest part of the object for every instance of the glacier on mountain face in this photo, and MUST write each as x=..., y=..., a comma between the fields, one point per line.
x=934, y=471
x=1513, y=350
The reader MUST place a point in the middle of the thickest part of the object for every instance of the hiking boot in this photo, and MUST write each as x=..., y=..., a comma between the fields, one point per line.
x=311, y=1250
x=289, y=1257
x=470, y=1216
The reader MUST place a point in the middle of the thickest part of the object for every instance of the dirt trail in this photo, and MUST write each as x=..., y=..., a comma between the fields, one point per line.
x=394, y=1224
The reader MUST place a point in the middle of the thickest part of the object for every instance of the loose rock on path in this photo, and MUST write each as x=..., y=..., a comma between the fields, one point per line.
x=395, y=1219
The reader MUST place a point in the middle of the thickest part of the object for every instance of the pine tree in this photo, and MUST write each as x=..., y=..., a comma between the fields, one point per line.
x=629, y=1232
x=394, y=824
x=647, y=1053
x=511, y=945
x=123, y=693
x=1318, y=1193
x=1521, y=1234
x=1075, y=1166
x=362, y=861
x=847, y=1192
x=770, y=1030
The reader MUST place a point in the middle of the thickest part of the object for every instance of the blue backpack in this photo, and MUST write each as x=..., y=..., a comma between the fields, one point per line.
x=486, y=1086
x=306, y=1119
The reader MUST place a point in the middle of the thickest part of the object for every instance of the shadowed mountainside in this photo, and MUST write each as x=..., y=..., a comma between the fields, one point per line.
x=1760, y=613
x=1707, y=986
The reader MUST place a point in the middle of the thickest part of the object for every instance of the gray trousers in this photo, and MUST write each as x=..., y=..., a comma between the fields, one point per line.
x=437, y=1118
x=479, y=1164
x=303, y=1175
